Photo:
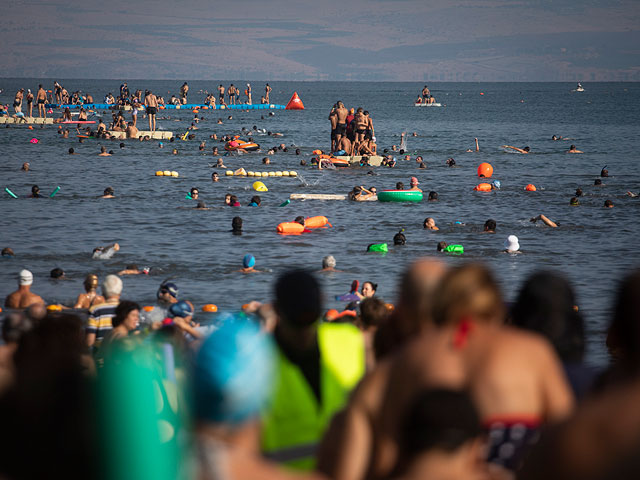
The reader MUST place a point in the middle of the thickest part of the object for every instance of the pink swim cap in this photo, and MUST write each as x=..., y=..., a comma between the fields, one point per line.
x=233, y=143
x=34, y=140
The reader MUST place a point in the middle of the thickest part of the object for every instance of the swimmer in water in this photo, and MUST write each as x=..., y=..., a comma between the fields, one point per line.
x=430, y=224
x=477, y=147
x=544, y=220
x=108, y=193
x=201, y=206
x=573, y=149
x=90, y=297
x=608, y=204
x=35, y=192
x=220, y=164
x=194, y=193
x=215, y=177
x=23, y=297
x=105, y=253
x=329, y=264
x=413, y=185
x=236, y=226
x=103, y=152
x=433, y=196
x=133, y=269
x=248, y=263
x=25, y=166
x=450, y=162
x=516, y=149
x=400, y=238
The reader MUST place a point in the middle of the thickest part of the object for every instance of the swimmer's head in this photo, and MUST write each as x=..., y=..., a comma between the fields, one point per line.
x=608, y=204
x=526, y=149
x=574, y=202
x=248, y=261
x=71, y=151
x=25, y=278
x=181, y=309
x=597, y=181
x=168, y=288
x=90, y=282
x=441, y=246
x=300, y=220
x=26, y=165
x=236, y=224
x=57, y=273
x=604, y=172
x=497, y=184
x=433, y=196
x=8, y=252
x=109, y=191
x=579, y=192
x=490, y=225
x=451, y=162
x=329, y=262
x=35, y=190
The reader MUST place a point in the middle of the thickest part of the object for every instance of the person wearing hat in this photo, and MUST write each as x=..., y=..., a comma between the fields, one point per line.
x=23, y=297
x=511, y=244
x=413, y=184
x=167, y=296
x=180, y=314
x=90, y=297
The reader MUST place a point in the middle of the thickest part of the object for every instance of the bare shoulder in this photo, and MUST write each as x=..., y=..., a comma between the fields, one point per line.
x=515, y=339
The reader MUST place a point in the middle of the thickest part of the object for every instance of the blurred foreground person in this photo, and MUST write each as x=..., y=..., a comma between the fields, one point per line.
x=231, y=381
x=317, y=365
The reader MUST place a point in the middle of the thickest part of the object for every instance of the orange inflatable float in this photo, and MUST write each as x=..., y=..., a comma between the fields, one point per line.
x=482, y=187
x=485, y=170
x=294, y=103
x=290, y=228
x=316, y=222
x=530, y=188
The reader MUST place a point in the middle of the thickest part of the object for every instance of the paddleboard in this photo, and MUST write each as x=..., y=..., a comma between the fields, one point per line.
x=427, y=104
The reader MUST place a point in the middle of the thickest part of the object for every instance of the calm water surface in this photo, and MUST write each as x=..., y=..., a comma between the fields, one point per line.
x=155, y=226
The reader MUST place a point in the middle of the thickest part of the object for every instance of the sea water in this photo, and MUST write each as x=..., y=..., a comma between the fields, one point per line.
x=157, y=227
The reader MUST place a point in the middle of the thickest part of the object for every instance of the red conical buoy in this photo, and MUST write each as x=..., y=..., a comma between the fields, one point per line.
x=295, y=103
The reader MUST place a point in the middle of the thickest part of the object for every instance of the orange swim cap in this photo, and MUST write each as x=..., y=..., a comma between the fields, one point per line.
x=530, y=188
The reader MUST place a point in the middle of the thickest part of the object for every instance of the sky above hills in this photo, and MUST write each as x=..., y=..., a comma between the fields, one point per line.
x=386, y=40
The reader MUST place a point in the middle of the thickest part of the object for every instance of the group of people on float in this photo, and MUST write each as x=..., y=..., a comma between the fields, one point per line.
x=425, y=97
x=450, y=382
x=352, y=131
x=233, y=95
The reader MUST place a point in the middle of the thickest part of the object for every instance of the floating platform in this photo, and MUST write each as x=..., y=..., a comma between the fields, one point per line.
x=316, y=196
x=157, y=135
x=427, y=104
x=374, y=160
x=188, y=106
x=27, y=120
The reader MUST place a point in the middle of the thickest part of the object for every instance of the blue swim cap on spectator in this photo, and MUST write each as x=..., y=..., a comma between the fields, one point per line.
x=248, y=261
x=497, y=184
x=233, y=373
x=180, y=309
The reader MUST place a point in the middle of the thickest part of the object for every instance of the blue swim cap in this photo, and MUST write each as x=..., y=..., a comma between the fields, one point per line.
x=248, y=261
x=180, y=309
x=233, y=373
x=497, y=184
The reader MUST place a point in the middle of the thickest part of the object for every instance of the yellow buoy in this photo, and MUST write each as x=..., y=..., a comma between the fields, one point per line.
x=209, y=307
x=278, y=174
x=251, y=174
x=167, y=173
x=241, y=172
x=222, y=107
x=159, y=173
x=54, y=308
x=285, y=173
x=174, y=174
x=260, y=187
x=293, y=174
x=272, y=174
x=229, y=173
x=265, y=174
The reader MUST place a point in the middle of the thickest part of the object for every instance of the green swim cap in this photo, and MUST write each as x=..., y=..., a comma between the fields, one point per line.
x=459, y=249
x=378, y=247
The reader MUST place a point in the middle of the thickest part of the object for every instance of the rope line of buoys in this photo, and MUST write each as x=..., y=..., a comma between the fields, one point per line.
x=241, y=172
x=167, y=173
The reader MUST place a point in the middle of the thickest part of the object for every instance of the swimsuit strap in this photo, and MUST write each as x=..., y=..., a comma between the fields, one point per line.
x=461, y=334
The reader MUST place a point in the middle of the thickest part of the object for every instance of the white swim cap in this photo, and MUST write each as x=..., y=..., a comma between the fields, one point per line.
x=512, y=244
x=25, y=277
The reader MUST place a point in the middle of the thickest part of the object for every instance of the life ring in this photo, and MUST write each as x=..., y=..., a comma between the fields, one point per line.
x=290, y=228
x=316, y=222
x=482, y=187
x=400, y=196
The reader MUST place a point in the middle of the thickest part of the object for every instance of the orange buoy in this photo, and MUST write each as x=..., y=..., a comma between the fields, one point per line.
x=294, y=103
x=290, y=228
x=485, y=170
x=482, y=187
x=530, y=188
x=316, y=222
x=209, y=307
x=147, y=308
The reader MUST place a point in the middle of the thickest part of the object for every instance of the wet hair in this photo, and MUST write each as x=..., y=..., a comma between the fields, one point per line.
x=109, y=191
x=441, y=246
x=57, y=272
x=303, y=162
x=374, y=286
x=298, y=298
x=399, y=186
x=439, y=419
x=300, y=220
x=197, y=190
x=201, y=204
x=433, y=196
x=608, y=203
x=35, y=189
x=579, y=192
x=526, y=149
x=572, y=147
x=490, y=225
x=256, y=199
x=546, y=305
x=71, y=150
x=399, y=238
x=467, y=291
x=233, y=200
x=604, y=172
x=122, y=310
x=236, y=224
x=121, y=145
x=597, y=181
x=574, y=201
x=297, y=151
